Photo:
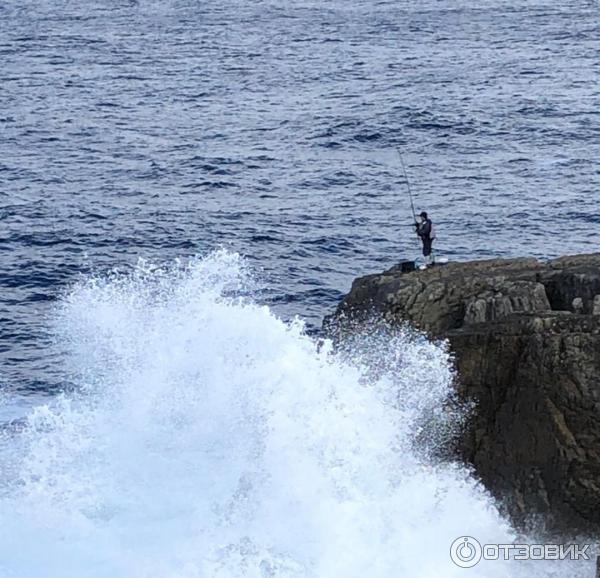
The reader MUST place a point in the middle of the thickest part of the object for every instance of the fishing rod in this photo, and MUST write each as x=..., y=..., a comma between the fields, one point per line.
x=412, y=204
x=410, y=196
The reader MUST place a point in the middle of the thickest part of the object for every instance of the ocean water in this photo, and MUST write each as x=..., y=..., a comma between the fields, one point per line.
x=138, y=135
x=165, y=129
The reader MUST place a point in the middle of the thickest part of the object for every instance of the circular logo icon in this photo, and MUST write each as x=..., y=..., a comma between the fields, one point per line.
x=466, y=552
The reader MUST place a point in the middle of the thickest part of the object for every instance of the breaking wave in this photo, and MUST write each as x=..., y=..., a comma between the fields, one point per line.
x=205, y=437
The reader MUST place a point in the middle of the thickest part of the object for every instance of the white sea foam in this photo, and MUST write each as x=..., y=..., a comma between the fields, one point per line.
x=207, y=438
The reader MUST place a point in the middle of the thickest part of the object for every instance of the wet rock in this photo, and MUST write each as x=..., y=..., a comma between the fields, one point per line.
x=596, y=309
x=526, y=337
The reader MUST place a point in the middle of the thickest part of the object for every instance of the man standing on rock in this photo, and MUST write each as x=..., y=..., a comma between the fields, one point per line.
x=425, y=231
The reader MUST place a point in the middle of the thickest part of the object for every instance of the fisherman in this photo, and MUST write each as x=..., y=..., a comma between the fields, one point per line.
x=425, y=230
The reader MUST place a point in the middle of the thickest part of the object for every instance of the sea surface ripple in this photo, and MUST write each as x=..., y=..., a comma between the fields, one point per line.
x=166, y=129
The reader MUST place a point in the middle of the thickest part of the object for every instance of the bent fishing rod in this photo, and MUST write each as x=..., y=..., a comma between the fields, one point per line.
x=410, y=196
x=412, y=204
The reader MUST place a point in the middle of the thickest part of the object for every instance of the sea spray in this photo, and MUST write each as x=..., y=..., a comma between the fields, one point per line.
x=206, y=438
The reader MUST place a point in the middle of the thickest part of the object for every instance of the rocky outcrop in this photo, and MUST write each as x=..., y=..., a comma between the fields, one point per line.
x=526, y=338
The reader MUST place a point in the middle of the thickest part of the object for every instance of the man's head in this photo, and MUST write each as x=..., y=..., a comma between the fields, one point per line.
x=423, y=215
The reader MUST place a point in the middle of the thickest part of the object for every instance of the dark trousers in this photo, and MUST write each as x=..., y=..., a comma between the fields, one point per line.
x=427, y=243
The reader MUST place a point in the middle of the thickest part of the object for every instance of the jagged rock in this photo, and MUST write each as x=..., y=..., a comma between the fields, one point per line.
x=529, y=358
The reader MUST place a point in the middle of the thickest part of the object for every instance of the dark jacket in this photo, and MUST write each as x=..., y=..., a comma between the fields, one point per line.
x=424, y=229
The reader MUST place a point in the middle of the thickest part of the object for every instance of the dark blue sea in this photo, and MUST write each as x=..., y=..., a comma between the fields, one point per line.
x=180, y=180
x=160, y=130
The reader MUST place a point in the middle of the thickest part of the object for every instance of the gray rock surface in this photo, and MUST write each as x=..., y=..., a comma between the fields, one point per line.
x=526, y=337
